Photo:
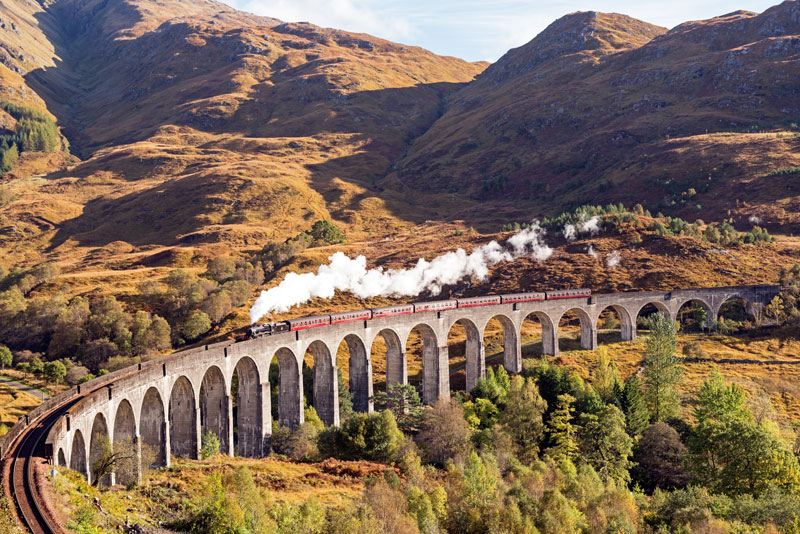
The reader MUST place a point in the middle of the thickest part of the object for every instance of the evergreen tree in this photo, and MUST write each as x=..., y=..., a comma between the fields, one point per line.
x=522, y=417
x=8, y=157
x=637, y=415
x=605, y=445
x=661, y=370
x=561, y=432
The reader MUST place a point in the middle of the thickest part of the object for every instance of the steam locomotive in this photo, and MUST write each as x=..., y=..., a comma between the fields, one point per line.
x=303, y=323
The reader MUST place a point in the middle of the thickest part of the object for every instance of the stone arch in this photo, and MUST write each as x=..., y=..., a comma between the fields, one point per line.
x=153, y=428
x=99, y=439
x=749, y=309
x=549, y=339
x=77, y=455
x=435, y=376
x=125, y=436
x=659, y=306
x=682, y=311
x=215, y=407
x=183, y=419
x=474, y=354
x=326, y=384
x=588, y=330
x=627, y=327
x=512, y=354
x=248, y=434
x=62, y=460
x=396, y=368
x=290, y=390
x=359, y=373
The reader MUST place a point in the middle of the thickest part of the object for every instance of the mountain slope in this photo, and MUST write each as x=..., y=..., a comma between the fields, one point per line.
x=603, y=107
x=199, y=123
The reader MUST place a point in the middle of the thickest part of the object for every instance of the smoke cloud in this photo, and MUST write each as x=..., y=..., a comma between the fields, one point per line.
x=613, y=259
x=755, y=220
x=590, y=251
x=591, y=227
x=351, y=274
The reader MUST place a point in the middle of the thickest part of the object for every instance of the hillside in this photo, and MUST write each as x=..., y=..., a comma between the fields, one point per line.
x=195, y=130
x=601, y=107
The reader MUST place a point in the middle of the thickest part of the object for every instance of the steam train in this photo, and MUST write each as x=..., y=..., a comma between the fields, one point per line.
x=304, y=323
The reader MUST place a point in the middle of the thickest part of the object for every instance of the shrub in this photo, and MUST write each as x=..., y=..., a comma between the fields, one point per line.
x=372, y=436
x=445, y=433
x=209, y=445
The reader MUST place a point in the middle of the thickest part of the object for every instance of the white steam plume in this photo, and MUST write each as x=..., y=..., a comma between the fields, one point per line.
x=755, y=220
x=591, y=227
x=351, y=274
x=590, y=251
x=613, y=259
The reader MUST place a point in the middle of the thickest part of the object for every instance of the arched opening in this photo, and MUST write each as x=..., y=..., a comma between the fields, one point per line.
x=537, y=335
x=99, y=444
x=214, y=407
x=326, y=390
x=576, y=331
x=125, y=437
x=153, y=427
x=736, y=315
x=62, y=460
x=501, y=344
x=359, y=372
x=647, y=311
x=696, y=316
x=77, y=455
x=286, y=387
x=422, y=359
x=615, y=324
x=248, y=436
x=183, y=420
x=388, y=360
x=465, y=355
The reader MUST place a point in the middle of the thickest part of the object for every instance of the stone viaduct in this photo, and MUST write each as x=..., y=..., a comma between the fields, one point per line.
x=167, y=404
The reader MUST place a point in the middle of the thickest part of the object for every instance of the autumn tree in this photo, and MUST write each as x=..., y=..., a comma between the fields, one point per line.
x=659, y=458
x=6, y=358
x=661, y=368
x=444, y=433
x=730, y=452
x=605, y=444
x=54, y=372
x=522, y=417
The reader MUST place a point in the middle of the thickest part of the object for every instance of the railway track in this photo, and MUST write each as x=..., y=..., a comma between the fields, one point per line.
x=21, y=484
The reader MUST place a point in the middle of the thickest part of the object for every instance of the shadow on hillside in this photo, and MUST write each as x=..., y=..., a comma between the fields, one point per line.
x=121, y=89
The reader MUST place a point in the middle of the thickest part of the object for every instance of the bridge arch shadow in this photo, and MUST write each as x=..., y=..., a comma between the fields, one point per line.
x=537, y=334
x=465, y=355
x=286, y=389
x=359, y=371
x=98, y=443
x=584, y=338
x=153, y=428
x=183, y=419
x=325, y=383
x=125, y=437
x=248, y=435
x=214, y=406
x=77, y=455
x=422, y=346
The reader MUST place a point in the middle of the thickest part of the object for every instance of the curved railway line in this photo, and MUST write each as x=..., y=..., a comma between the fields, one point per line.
x=20, y=483
x=19, y=467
